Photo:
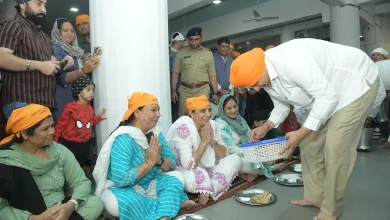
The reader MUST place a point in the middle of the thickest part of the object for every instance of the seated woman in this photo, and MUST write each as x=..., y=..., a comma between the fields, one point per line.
x=34, y=170
x=235, y=131
x=65, y=47
x=128, y=169
x=202, y=156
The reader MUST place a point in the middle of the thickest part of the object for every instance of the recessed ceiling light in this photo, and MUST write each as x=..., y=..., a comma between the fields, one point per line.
x=217, y=1
x=74, y=9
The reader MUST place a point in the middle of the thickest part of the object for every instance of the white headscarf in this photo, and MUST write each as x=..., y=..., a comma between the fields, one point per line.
x=73, y=48
x=381, y=51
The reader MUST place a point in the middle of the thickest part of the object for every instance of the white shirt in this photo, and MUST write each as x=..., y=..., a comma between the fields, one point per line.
x=384, y=72
x=384, y=75
x=318, y=76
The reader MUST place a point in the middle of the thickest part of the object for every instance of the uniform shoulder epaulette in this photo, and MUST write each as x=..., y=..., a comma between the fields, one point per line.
x=206, y=48
x=185, y=47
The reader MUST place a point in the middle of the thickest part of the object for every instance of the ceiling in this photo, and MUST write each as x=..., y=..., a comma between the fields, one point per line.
x=211, y=11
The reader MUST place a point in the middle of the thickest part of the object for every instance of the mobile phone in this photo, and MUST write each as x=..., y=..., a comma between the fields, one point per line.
x=63, y=64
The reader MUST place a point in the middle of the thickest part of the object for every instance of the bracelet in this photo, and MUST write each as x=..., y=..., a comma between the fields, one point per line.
x=82, y=69
x=203, y=144
x=147, y=162
x=29, y=216
x=28, y=65
x=162, y=162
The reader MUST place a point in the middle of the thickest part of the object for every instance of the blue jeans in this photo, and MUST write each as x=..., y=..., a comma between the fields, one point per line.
x=10, y=107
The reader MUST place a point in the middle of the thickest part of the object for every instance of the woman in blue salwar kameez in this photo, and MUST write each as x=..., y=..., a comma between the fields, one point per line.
x=130, y=168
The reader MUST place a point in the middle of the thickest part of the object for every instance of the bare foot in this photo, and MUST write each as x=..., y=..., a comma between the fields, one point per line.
x=248, y=177
x=323, y=216
x=164, y=218
x=305, y=202
x=203, y=198
x=187, y=204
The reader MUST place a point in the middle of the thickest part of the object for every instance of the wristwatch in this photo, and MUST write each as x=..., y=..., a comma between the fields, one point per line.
x=76, y=204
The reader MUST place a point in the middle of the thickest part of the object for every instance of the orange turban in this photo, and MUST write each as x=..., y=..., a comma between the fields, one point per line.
x=82, y=18
x=248, y=68
x=235, y=54
x=197, y=102
x=269, y=47
x=24, y=118
x=139, y=99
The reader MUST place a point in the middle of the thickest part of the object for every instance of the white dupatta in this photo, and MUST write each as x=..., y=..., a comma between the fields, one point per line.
x=103, y=161
x=208, y=159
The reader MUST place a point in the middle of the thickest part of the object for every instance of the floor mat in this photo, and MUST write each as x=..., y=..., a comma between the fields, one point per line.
x=237, y=186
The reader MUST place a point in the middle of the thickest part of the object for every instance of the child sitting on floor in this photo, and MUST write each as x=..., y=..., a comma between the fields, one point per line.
x=74, y=127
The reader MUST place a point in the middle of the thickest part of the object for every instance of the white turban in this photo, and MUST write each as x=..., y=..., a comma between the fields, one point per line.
x=381, y=51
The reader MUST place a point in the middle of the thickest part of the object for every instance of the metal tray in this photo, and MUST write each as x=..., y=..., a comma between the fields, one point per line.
x=245, y=197
x=289, y=179
x=296, y=168
x=192, y=217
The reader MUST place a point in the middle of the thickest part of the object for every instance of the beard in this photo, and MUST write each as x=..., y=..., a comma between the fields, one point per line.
x=36, y=18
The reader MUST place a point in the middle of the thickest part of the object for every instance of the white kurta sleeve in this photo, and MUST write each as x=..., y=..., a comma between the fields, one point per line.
x=305, y=73
x=378, y=99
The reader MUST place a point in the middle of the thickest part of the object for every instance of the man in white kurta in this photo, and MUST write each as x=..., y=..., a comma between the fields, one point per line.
x=337, y=90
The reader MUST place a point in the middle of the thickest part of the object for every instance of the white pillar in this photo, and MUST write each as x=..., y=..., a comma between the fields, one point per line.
x=135, y=57
x=345, y=25
x=287, y=35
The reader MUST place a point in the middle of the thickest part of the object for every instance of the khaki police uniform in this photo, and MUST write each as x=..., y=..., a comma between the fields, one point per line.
x=196, y=66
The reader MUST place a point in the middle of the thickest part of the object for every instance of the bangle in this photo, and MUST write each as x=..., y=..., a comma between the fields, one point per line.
x=28, y=65
x=147, y=162
x=29, y=217
x=162, y=162
x=203, y=144
x=82, y=69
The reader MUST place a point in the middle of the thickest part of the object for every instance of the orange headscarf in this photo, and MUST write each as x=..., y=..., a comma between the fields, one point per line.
x=248, y=68
x=82, y=18
x=139, y=99
x=269, y=47
x=197, y=102
x=24, y=118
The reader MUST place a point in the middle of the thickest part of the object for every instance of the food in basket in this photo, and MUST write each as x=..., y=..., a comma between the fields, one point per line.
x=262, y=198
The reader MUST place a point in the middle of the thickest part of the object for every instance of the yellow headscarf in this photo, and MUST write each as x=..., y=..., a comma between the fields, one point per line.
x=248, y=68
x=139, y=99
x=24, y=118
x=197, y=103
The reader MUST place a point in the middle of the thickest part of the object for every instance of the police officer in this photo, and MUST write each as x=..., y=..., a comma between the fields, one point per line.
x=196, y=66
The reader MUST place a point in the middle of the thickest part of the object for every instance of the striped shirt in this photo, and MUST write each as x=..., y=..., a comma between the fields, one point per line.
x=28, y=42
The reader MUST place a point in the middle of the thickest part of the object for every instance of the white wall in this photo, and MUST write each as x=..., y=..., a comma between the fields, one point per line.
x=7, y=10
x=231, y=24
x=376, y=31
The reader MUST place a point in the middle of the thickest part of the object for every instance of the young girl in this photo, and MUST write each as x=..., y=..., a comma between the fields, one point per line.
x=74, y=127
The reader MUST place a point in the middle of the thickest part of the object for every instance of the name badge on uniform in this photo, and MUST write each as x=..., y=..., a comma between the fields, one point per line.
x=187, y=57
